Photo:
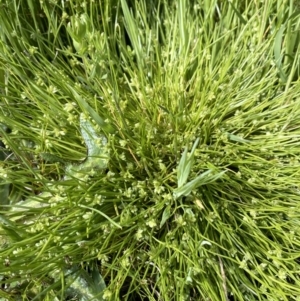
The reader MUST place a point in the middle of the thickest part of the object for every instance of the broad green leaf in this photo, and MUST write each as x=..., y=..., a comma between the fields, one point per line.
x=237, y=138
x=11, y=229
x=98, y=281
x=185, y=165
x=165, y=216
x=11, y=233
x=277, y=52
x=84, y=286
x=94, y=143
x=97, y=157
x=181, y=174
x=202, y=179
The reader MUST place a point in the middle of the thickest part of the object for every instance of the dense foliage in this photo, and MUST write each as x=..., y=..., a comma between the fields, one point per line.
x=150, y=150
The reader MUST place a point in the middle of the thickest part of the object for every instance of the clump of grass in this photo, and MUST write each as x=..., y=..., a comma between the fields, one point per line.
x=194, y=195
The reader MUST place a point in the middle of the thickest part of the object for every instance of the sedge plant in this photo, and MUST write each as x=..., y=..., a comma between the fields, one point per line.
x=150, y=150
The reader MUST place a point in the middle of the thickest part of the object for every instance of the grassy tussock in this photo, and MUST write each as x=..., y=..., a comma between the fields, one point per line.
x=153, y=146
